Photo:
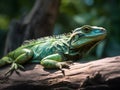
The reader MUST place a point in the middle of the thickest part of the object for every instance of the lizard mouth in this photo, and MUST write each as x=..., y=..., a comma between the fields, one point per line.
x=86, y=47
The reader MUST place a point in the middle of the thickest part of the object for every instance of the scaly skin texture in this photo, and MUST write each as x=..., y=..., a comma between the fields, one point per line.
x=55, y=51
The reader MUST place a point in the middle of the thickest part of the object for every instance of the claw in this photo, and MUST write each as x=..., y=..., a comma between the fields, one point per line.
x=61, y=65
x=9, y=73
x=14, y=67
x=63, y=72
x=21, y=67
x=17, y=72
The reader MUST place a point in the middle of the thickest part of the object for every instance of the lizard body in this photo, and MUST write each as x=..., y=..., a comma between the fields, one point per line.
x=55, y=51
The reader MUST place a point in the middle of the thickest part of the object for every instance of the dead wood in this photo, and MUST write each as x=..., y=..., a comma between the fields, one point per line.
x=103, y=74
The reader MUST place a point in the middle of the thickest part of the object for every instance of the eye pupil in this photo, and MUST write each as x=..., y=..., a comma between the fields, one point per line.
x=86, y=29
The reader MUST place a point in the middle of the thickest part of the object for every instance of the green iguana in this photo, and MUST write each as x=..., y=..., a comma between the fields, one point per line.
x=55, y=51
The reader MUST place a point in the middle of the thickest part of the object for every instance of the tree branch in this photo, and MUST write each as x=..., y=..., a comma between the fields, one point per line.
x=102, y=74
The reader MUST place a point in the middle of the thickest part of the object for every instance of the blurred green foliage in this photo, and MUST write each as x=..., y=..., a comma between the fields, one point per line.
x=10, y=9
x=73, y=14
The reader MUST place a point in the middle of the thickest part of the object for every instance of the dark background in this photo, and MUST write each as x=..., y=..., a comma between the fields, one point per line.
x=72, y=14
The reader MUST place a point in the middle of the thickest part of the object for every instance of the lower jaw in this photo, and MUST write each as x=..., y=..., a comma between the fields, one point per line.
x=90, y=41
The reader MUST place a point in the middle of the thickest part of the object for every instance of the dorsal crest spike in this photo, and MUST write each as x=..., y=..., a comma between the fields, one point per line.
x=44, y=39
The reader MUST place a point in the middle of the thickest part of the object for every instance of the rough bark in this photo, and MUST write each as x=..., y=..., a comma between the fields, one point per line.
x=103, y=74
x=38, y=23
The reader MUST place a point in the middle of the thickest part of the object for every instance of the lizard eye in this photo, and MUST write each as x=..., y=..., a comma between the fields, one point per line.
x=86, y=29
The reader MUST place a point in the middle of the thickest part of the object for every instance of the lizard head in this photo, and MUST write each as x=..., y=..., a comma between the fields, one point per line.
x=86, y=37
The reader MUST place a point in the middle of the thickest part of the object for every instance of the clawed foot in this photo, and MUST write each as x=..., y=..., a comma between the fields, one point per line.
x=14, y=67
x=66, y=64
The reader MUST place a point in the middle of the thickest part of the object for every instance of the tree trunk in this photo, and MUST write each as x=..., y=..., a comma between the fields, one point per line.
x=38, y=23
x=102, y=74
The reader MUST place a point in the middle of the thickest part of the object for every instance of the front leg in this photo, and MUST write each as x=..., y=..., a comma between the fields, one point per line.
x=55, y=61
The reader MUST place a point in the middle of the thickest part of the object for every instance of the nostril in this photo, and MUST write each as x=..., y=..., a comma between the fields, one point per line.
x=103, y=30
